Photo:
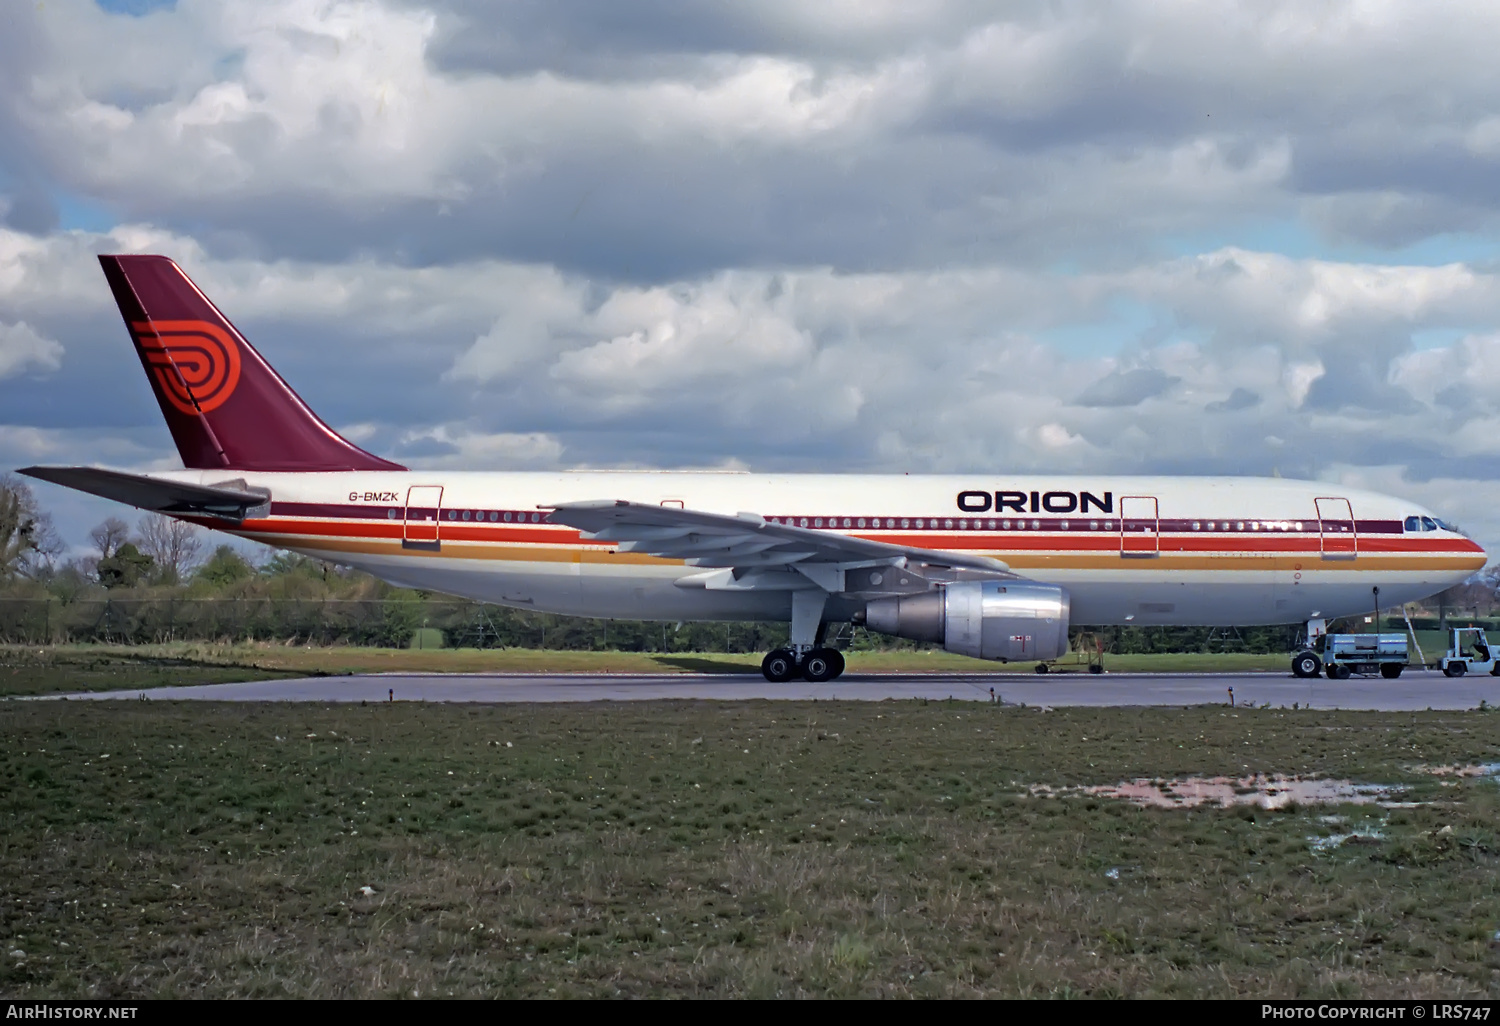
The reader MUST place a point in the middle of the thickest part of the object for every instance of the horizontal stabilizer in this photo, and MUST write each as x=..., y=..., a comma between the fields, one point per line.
x=230, y=500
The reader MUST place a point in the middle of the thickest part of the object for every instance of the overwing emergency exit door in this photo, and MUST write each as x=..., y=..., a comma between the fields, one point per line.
x=1336, y=529
x=424, y=505
x=1140, y=527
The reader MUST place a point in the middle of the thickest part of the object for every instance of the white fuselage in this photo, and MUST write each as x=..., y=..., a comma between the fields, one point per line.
x=1145, y=550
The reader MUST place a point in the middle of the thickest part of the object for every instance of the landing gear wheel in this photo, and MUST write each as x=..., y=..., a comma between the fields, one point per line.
x=1390, y=671
x=1455, y=670
x=778, y=666
x=1336, y=671
x=1306, y=664
x=819, y=665
x=837, y=659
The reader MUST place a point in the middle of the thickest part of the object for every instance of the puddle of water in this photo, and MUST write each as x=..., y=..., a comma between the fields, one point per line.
x=1473, y=769
x=1335, y=841
x=1267, y=792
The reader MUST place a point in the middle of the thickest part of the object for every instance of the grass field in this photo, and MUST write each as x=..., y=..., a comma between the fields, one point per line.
x=720, y=849
x=29, y=670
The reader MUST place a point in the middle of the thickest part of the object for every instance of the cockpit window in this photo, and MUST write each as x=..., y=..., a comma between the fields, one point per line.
x=1428, y=524
x=1448, y=527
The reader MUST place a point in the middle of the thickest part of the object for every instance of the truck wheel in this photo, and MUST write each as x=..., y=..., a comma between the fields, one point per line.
x=1306, y=664
x=1337, y=671
x=1391, y=670
x=1454, y=670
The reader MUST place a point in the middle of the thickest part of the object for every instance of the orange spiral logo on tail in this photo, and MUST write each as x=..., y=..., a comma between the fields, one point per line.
x=196, y=364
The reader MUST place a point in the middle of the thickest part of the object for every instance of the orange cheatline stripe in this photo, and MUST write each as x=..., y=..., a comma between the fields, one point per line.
x=1166, y=562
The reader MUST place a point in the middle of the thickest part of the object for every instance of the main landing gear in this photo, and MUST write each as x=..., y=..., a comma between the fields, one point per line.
x=818, y=665
x=806, y=655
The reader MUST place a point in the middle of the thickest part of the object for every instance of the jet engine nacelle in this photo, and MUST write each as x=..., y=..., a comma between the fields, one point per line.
x=1004, y=620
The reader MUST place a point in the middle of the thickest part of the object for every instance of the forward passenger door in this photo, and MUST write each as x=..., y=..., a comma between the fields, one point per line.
x=1140, y=526
x=1337, y=535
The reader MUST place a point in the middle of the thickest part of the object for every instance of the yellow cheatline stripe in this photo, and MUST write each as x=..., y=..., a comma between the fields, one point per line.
x=1167, y=561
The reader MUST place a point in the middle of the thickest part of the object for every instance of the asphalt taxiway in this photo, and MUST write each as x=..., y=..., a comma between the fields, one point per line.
x=1413, y=690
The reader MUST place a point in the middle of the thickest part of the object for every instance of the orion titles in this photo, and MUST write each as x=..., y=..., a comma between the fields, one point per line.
x=974, y=501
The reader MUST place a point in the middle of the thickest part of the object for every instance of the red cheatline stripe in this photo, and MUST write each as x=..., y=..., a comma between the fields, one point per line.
x=1062, y=542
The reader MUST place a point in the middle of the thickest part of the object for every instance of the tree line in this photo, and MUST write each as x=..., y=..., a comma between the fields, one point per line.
x=160, y=580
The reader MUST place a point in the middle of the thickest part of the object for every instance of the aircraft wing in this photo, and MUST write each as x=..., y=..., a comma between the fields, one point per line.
x=230, y=500
x=747, y=546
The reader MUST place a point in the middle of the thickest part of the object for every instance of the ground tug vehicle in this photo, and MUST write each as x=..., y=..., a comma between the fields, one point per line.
x=1471, y=653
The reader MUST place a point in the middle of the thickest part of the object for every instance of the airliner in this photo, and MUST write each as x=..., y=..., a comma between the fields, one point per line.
x=990, y=565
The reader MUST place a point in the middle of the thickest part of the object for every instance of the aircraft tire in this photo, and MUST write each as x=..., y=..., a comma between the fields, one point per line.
x=819, y=665
x=1390, y=671
x=1306, y=664
x=837, y=658
x=778, y=666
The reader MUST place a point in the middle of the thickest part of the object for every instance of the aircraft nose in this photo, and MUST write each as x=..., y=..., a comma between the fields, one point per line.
x=1474, y=558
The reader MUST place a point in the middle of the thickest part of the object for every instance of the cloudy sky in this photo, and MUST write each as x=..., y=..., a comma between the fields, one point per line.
x=1143, y=237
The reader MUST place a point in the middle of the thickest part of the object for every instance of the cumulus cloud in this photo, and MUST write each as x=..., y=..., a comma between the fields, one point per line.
x=646, y=143
x=1239, y=399
x=21, y=349
x=442, y=447
x=1126, y=388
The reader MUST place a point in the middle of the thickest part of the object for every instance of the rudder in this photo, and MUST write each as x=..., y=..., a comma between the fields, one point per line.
x=225, y=406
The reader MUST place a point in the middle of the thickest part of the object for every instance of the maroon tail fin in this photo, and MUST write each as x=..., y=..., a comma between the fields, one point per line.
x=225, y=406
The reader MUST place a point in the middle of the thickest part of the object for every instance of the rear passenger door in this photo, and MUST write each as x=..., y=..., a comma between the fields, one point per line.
x=424, y=508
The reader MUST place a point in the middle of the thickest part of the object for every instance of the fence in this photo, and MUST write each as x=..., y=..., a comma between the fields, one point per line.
x=397, y=622
x=387, y=623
